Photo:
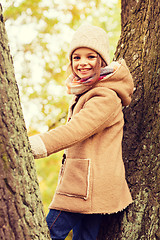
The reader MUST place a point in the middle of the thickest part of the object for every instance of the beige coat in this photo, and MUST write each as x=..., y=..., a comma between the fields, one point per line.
x=92, y=179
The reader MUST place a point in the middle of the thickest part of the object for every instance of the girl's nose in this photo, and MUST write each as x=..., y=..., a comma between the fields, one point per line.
x=83, y=62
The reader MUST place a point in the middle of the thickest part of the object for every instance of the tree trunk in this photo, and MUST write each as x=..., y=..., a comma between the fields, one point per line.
x=126, y=11
x=139, y=45
x=21, y=210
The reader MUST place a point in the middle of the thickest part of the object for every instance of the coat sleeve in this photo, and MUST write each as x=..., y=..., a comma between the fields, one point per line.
x=98, y=112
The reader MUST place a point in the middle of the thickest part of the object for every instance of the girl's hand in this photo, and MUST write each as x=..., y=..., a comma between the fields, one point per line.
x=37, y=146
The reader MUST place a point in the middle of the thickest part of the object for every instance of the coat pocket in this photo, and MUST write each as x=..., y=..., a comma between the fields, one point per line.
x=75, y=179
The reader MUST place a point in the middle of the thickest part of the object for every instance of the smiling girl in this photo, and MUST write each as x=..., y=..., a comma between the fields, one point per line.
x=84, y=62
x=92, y=177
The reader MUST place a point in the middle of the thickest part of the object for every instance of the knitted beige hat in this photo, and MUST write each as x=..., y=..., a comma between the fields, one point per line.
x=91, y=37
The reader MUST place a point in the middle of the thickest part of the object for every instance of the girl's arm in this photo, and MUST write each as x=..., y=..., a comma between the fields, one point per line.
x=98, y=112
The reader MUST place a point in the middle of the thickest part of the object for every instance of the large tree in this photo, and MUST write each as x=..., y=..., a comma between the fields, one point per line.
x=21, y=210
x=139, y=45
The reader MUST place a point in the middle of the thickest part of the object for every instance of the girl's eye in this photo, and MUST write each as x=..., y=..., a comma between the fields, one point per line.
x=92, y=57
x=76, y=57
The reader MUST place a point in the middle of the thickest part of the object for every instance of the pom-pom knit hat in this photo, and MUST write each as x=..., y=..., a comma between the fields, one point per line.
x=91, y=37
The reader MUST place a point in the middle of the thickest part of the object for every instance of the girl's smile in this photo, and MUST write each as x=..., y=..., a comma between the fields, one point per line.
x=84, y=62
x=84, y=71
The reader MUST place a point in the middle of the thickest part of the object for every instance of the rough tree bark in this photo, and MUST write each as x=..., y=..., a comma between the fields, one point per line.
x=140, y=46
x=126, y=11
x=21, y=210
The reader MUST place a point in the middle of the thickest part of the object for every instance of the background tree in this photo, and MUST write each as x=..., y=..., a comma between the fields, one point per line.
x=140, y=46
x=21, y=210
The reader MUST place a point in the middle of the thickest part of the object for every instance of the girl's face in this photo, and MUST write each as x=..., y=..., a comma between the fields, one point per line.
x=84, y=62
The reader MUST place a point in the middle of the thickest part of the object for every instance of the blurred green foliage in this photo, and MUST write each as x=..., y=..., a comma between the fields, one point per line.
x=47, y=171
x=39, y=33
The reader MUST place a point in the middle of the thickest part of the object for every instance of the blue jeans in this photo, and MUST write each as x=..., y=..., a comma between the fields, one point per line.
x=85, y=226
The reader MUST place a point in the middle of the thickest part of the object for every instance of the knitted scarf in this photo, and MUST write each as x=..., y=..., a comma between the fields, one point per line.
x=78, y=86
